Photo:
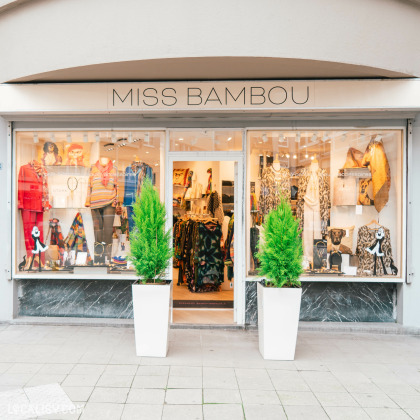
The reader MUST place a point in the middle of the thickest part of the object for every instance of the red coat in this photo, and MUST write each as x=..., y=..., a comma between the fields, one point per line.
x=30, y=189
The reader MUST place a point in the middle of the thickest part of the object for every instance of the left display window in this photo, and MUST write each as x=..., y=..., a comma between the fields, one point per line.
x=74, y=199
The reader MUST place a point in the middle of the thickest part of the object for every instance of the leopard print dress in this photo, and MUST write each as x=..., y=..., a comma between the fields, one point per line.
x=274, y=185
x=324, y=197
x=366, y=237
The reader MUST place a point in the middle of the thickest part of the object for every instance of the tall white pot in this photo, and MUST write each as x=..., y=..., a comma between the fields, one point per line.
x=152, y=310
x=278, y=320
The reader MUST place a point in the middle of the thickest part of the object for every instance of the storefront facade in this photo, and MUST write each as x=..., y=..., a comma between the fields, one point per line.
x=351, y=143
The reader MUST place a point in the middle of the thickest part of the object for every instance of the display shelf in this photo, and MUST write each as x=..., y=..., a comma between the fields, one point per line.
x=341, y=279
x=67, y=170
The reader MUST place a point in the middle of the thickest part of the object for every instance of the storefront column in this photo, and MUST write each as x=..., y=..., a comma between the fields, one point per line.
x=6, y=285
x=408, y=297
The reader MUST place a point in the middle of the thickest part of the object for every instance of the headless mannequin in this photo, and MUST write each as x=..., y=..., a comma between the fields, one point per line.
x=276, y=164
x=103, y=222
x=312, y=213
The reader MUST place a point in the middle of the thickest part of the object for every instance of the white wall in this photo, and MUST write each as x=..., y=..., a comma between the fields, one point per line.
x=408, y=298
x=6, y=285
x=46, y=35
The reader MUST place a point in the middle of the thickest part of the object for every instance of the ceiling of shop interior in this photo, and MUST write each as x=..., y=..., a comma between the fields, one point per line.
x=211, y=68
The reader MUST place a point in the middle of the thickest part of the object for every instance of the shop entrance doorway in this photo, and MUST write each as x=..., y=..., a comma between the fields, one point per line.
x=204, y=215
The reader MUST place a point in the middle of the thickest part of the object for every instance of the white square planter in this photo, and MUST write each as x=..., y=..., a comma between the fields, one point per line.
x=152, y=310
x=278, y=320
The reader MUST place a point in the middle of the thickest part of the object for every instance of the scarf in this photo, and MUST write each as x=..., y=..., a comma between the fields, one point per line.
x=104, y=170
x=76, y=238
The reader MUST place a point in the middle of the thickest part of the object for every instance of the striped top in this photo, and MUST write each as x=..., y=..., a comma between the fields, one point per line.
x=98, y=194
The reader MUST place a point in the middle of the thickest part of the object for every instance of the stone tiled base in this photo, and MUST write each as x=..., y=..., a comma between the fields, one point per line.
x=337, y=302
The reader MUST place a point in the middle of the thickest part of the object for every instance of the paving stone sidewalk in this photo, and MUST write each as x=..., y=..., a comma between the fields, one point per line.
x=213, y=374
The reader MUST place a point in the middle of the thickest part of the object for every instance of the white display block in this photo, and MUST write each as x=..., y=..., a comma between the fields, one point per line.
x=278, y=320
x=152, y=309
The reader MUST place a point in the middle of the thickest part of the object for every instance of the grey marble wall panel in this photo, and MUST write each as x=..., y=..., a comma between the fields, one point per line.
x=337, y=302
x=76, y=298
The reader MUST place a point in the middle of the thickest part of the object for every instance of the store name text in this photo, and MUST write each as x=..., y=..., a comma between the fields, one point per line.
x=196, y=96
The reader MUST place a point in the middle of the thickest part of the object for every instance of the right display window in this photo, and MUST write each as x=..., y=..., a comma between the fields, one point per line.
x=346, y=189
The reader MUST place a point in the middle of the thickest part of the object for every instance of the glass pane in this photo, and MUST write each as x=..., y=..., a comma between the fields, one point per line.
x=205, y=140
x=75, y=192
x=344, y=186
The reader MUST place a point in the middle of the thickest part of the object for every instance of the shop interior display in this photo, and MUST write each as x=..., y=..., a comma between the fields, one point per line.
x=345, y=188
x=78, y=190
x=203, y=228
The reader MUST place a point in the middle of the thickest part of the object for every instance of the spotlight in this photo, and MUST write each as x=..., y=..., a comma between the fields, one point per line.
x=147, y=138
x=265, y=138
x=281, y=137
x=85, y=138
x=306, y=156
x=130, y=137
x=156, y=164
x=147, y=153
x=344, y=138
x=97, y=138
x=229, y=139
x=297, y=139
x=294, y=157
x=314, y=137
x=312, y=157
x=53, y=137
x=68, y=137
x=181, y=139
x=113, y=137
x=36, y=140
x=287, y=155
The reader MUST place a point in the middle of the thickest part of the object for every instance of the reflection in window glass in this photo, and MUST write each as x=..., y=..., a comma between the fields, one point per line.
x=345, y=187
x=75, y=193
x=205, y=140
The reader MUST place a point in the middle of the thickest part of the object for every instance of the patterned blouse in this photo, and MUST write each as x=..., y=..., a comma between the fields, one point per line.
x=366, y=237
x=324, y=197
x=274, y=185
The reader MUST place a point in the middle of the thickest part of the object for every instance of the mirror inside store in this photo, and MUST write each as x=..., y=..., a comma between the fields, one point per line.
x=75, y=193
x=203, y=232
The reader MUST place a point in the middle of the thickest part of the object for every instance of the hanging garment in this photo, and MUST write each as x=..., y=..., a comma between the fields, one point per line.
x=229, y=248
x=324, y=197
x=56, y=238
x=76, y=238
x=312, y=216
x=354, y=159
x=367, y=252
x=102, y=186
x=209, y=188
x=274, y=185
x=214, y=206
x=375, y=158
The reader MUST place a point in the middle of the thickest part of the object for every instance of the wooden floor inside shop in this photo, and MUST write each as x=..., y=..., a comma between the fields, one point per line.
x=203, y=316
x=182, y=293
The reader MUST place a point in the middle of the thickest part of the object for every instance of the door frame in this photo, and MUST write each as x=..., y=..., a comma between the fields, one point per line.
x=239, y=212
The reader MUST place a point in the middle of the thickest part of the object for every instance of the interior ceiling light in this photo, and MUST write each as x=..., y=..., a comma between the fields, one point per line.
x=36, y=140
x=85, y=138
x=97, y=138
x=156, y=164
x=306, y=156
x=181, y=139
x=130, y=137
x=229, y=139
x=147, y=140
x=314, y=137
x=325, y=137
x=265, y=138
x=287, y=155
x=68, y=137
x=281, y=137
x=312, y=157
x=113, y=137
x=294, y=157
x=344, y=137
x=297, y=138
x=53, y=137
x=147, y=152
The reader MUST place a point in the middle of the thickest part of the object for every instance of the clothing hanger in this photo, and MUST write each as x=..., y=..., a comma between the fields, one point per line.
x=373, y=222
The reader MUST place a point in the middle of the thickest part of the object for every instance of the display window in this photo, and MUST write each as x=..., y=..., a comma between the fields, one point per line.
x=74, y=198
x=346, y=189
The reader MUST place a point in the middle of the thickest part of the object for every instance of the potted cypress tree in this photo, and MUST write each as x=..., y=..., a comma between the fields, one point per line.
x=279, y=296
x=150, y=252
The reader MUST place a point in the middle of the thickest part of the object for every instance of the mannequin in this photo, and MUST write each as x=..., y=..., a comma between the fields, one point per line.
x=312, y=213
x=102, y=198
x=276, y=163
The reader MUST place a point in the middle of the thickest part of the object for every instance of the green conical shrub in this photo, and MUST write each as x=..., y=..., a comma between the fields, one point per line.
x=149, y=243
x=280, y=251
